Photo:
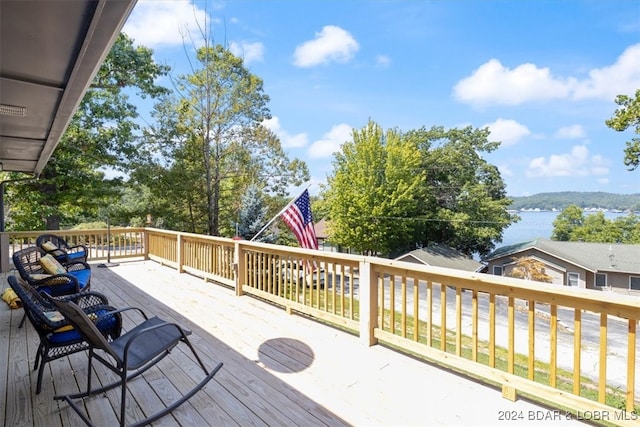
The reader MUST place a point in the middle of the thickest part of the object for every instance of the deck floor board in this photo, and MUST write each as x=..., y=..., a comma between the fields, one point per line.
x=279, y=369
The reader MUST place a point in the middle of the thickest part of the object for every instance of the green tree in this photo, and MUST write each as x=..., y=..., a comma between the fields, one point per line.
x=208, y=144
x=566, y=222
x=628, y=115
x=629, y=228
x=595, y=228
x=101, y=136
x=136, y=207
x=419, y=187
x=374, y=192
x=466, y=204
x=252, y=216
x=572, y=225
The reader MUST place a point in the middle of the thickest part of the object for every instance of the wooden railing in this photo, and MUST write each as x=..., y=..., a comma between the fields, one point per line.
x=573, y=349
x=103, y=244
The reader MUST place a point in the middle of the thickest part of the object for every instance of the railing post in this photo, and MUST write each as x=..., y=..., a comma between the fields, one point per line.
x=368, y=289
x=4, y=252
x=179, y=252
x=240, y=266
x=145, y=242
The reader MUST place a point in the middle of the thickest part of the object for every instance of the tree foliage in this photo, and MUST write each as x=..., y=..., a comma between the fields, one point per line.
x=101, y=136
x=375, y=191
x=208, y=145
x=566, y=223
x=467, y=197
x=394, y=191
x=625, y=117
x=252, y=217
x=572, y=225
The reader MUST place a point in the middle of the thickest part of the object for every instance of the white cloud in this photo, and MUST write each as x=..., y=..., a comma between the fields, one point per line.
x=249, y=52
x=576, y=163
x=287, y=140
x=331, y=141
x=383, y=61
x=163, y=23
x=623, y=77
x=570, y=132
x=331, y=44
x=508, y=131
x=493, y=83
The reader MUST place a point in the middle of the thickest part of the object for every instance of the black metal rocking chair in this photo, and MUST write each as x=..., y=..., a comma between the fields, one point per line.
x=135, y=351
x=57, y=338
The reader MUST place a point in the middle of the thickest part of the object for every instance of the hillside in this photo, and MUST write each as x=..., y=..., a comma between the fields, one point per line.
x=560, y=200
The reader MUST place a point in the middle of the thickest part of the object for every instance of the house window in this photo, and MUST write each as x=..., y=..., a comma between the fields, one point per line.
x=497, y=270
x=601, y=280
x=634, y=283
x=573, y=279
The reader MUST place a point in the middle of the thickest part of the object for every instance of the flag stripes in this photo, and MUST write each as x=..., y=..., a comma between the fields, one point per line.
x=299, y=219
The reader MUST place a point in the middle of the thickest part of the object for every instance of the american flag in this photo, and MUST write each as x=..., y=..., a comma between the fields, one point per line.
x=299, y=219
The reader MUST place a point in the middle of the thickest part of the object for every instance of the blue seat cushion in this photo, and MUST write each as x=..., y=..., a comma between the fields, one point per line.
x=83, y=276
x=74, y=256
x=71, y=336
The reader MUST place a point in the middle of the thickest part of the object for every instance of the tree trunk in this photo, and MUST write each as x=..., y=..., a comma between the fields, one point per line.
x=53, y=222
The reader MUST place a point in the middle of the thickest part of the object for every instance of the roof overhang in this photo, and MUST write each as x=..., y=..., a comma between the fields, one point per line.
x=50, y=51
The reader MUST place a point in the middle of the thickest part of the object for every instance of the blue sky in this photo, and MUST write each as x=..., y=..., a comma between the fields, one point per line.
x=541, y=74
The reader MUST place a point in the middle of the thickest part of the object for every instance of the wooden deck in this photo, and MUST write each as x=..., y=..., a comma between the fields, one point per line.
x=279, y=369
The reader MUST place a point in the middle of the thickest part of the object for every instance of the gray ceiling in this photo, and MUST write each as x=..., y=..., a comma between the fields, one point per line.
x=49, y=53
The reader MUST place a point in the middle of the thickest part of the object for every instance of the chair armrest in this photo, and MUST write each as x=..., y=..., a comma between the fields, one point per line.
x=56, y=280
x=50, y=324
x=84, y=299
x=123, y=309
x=77, y=266
x=78, y=248
x=46, y=323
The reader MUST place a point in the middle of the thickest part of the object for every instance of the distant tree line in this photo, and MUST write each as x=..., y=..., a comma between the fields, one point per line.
x=562, y=200
x=573, y=225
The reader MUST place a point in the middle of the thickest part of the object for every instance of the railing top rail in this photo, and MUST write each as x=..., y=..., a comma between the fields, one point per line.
x=75, y=231
x=336, y=257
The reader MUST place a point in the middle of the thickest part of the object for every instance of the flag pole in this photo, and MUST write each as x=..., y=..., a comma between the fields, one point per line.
x=279, y=213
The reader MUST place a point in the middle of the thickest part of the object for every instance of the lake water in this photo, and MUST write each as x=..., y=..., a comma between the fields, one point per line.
x=536, y=224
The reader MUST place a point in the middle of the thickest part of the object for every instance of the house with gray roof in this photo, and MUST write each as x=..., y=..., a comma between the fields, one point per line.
x=439, y=255
x=600, y=266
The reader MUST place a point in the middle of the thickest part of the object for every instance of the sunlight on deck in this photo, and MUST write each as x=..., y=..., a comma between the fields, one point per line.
x=279, y=369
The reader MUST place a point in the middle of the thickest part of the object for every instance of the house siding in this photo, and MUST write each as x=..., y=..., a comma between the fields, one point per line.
x=583, y=258
x=616, y=282
x=554, y=267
